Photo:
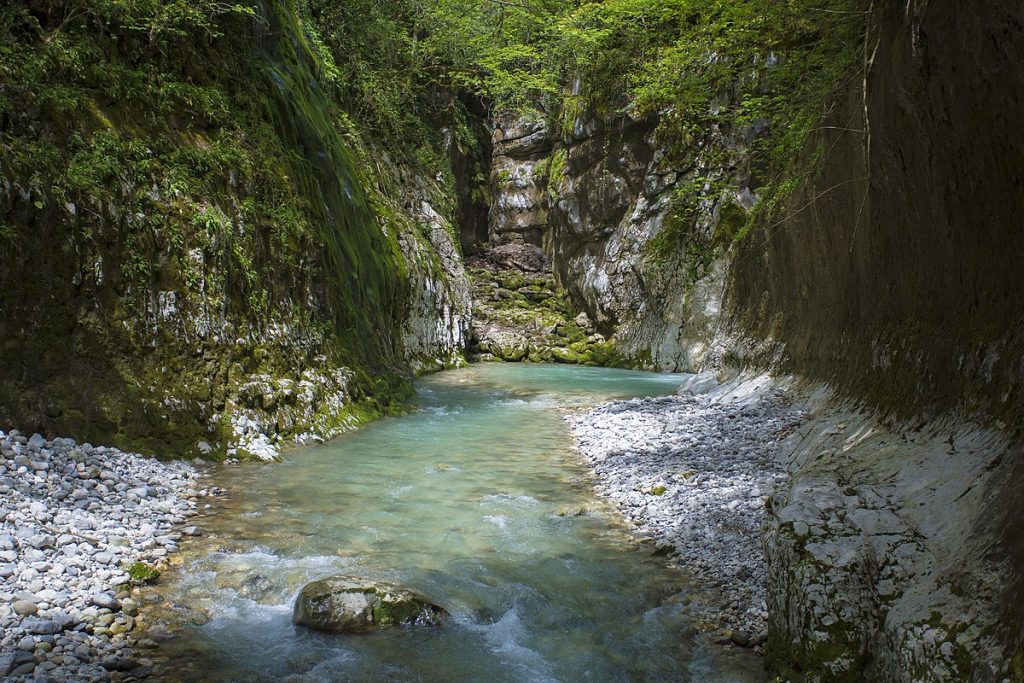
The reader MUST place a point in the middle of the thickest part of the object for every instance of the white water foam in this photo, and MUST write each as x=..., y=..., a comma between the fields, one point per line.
x=508, y=498
x=504, y=636
x=500, y=521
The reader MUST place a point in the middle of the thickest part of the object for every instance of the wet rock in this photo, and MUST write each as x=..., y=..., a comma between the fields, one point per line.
x=24, y=669
x=118, y=663
x=741, y=638
x=347, y=604
x=42, y=626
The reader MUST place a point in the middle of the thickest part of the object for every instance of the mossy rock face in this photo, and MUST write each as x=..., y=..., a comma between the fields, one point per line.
x=236, y=260
x=565, y=355
x=523, y=315
x=348, y=604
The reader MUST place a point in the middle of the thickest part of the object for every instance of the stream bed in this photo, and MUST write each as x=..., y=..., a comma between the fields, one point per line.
x=474, y=498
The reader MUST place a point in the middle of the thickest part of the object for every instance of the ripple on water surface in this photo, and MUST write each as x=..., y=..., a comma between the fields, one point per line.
x=475, y=499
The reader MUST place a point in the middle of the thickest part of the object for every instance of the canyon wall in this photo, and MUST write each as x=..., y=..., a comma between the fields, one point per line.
x=896, y=274
x=894, y=278
x=600, y=198
x=890, y=284
x=215, y=267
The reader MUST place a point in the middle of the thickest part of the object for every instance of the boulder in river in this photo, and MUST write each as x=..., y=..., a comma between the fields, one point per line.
x=347, y=604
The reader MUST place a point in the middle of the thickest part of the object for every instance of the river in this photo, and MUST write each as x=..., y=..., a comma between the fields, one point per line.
x=474, y=498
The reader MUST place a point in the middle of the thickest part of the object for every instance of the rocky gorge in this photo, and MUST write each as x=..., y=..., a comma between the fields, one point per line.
x=883, y=557
x=229, y=272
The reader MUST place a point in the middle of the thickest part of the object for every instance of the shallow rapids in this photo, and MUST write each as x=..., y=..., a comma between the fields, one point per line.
x=474, y=498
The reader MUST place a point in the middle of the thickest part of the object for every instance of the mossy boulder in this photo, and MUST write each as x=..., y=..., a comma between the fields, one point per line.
x=141, y=573
x=562, y=355
x=523, y=315
x=508, y=345
x=347, y=604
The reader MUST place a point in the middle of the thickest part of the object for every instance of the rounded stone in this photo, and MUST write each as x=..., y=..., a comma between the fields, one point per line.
x=105, y=600
x=24, y=608
x=347, y=604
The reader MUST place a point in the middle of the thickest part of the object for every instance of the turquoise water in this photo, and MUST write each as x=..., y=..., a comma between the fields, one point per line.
x=476, y=499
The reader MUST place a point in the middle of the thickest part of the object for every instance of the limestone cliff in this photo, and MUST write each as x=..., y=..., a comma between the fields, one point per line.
x=211, y=264
x=519, y=169
x=637, y=270
x=602, y=199
x=895, y=278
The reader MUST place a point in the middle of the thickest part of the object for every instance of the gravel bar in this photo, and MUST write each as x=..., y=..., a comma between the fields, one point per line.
x=73, y=519
x=694, y=472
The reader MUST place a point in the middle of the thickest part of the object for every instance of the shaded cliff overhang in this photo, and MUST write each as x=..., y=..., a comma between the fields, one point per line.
x=897, y=274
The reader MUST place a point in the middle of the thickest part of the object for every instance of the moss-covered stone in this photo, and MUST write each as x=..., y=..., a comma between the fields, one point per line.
x=142, y=573
x=346, y=604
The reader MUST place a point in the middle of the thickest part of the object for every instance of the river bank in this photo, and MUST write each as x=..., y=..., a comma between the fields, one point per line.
x=74, y=521
x=693, y=472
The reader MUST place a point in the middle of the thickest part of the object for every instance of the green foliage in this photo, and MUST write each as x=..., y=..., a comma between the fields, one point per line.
x=557, y=168
x=110, y=113
x=602, y=47
x=495, y=48
x=762, y=71
x=768, y=67
x=739, y=88
x=178, y=147
x=370, y=57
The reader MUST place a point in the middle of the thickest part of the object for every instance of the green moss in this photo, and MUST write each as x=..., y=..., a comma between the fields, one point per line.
x=203, y=162
x=1017, y=666
x=510, y=279
x=394, y=613
x=541, y=313
x=812, y=658
x=556, y=171
x=563, y=355
x=382, y=616
x=140, y=572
